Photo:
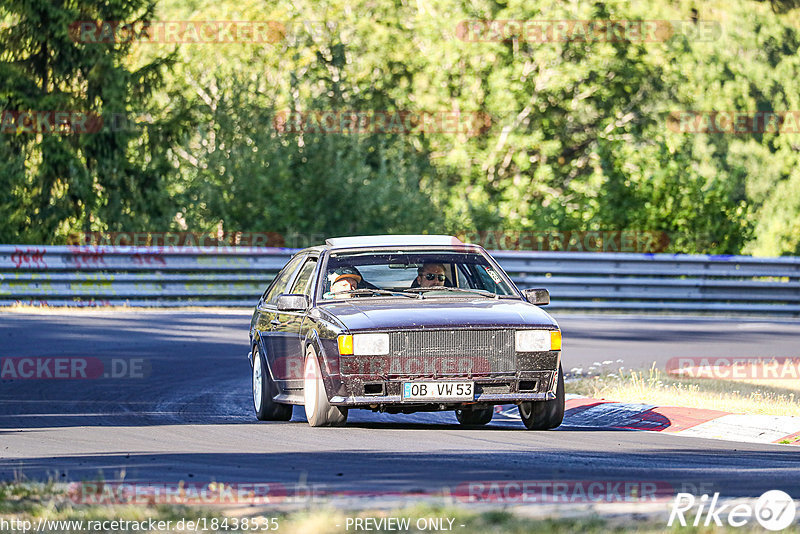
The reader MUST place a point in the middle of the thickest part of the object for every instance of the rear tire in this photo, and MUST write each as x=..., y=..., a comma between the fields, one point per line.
x=545, y=415
x=475, y=417
x=319, y=411
x=264, y=391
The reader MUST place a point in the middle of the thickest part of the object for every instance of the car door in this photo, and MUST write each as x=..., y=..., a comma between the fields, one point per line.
x=287, y=328
x=268, y=311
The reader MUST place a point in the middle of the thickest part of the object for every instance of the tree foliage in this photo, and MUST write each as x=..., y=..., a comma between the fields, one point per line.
x=580, y=135
x=111, y=175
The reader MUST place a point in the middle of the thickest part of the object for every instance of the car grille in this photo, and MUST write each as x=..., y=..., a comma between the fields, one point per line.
x=452, y=352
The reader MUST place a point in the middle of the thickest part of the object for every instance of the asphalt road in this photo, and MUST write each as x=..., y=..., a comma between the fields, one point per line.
x=186, y=414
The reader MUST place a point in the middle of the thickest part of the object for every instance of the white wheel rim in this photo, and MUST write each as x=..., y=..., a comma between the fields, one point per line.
x=309, y=384
x=257, y=382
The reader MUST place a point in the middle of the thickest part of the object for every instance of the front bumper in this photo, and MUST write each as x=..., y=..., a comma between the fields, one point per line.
x=522, y=387
x=493, y=398
x=365, y=381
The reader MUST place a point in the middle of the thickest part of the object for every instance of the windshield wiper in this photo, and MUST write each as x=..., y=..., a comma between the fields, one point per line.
x=370, y=291
x=483, y=292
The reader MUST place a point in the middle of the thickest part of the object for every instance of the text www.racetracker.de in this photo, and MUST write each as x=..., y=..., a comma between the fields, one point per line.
x=144, y=525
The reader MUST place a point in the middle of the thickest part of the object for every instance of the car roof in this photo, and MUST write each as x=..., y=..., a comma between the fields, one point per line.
x=393, y=240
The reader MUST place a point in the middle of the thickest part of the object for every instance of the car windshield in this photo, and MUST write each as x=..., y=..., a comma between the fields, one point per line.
x=419, y=274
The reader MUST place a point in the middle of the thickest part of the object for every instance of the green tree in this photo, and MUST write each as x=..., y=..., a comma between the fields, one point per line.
x=581, y=137
x=103, y=177
x=238, y=170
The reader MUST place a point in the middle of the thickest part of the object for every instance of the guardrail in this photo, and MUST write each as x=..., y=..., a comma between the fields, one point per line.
x=154, y=276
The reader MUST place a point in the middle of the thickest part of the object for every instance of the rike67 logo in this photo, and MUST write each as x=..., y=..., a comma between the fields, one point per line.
x=774, y=510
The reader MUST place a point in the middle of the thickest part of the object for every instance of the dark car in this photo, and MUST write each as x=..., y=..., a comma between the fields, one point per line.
x=402, y=324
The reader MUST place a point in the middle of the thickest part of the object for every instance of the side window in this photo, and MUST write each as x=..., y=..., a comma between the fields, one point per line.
x=303, y=283
x=281, y=281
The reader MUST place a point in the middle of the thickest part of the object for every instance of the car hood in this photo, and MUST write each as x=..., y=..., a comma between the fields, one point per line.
x=390, y=314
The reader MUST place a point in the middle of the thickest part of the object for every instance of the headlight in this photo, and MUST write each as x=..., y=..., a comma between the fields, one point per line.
x=363, y=344
x=537, y=340
x=370, y=344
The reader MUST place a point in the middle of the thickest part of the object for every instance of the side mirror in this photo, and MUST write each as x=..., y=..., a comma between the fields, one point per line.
x=538, y=296
x=289, y=302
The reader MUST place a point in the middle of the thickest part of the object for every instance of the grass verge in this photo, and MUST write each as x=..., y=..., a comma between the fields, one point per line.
x=23, y=505
x=654, y=386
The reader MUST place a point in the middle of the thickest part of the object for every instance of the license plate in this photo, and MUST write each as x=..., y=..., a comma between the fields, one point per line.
x=438, y=391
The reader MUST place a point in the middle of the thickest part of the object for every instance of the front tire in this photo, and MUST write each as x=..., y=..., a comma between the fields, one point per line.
x=319, y=411
x=264, y=391
x=475, y=417
x=545, y=415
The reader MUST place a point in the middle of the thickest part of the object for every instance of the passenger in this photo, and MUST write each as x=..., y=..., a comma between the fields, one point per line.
x=430, y=275
x=342, y=280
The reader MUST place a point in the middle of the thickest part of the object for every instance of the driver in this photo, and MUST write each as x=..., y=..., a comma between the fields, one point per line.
x=342, y=280
x=431, y=275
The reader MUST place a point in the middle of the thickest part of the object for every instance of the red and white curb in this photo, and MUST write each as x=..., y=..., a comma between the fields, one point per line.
x=696, y=422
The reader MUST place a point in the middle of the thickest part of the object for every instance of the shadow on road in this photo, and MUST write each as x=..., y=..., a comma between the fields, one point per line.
x=732, y=473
